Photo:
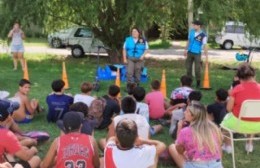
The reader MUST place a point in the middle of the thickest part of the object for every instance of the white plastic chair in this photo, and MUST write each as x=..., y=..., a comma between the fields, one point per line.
x=249, y=109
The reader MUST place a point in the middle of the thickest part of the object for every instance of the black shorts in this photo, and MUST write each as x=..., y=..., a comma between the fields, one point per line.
x=25, y=164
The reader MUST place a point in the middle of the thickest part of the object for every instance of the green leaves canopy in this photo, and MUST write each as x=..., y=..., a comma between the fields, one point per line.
x=111, y=20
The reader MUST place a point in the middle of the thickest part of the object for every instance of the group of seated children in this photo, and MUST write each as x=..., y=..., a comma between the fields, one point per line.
x=130, y=124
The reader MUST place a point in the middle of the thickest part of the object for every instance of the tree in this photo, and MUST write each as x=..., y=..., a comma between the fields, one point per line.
x=26, y=12
x=110, y=20
x=217, y=12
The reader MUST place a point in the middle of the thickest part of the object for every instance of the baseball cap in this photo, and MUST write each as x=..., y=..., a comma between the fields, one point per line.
x=71, y=121
x=197, y=22
x=6, y=108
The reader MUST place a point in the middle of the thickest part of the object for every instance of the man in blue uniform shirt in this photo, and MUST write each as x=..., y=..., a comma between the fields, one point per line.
x=197, y=41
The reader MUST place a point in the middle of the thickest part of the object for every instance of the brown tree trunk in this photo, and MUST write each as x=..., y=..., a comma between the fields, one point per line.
x=114, y=56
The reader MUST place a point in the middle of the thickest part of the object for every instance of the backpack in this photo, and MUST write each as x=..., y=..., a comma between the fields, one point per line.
x=96, y=110
x=40, y=136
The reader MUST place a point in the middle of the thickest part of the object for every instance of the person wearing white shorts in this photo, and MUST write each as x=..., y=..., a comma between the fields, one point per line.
x=17, y=48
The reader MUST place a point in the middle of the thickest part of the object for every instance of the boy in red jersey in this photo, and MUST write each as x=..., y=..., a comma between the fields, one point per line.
x=73, y=149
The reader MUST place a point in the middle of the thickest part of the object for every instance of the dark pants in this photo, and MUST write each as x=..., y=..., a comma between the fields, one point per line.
x=196, y=58
x=134, y=68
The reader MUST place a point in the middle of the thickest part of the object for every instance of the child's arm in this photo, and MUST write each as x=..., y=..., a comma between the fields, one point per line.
x=15, y=128
x=160, y=146
x=170, y=109
x=23, y=35
x=96, y=162
x=26, y=154
x=28, y=105
x=230, y=104
x=180, y=149
x=49, y=158
x=111, y=130
x=10, y=34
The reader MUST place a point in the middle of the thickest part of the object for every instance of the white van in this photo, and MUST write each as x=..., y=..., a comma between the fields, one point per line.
x=234, y=34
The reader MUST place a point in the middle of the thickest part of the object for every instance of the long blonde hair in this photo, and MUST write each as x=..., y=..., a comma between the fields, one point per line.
x=204, y=131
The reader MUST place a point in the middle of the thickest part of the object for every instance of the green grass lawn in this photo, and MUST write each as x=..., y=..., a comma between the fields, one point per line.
x=39, y=42
x=43, y=69
x=159, y=44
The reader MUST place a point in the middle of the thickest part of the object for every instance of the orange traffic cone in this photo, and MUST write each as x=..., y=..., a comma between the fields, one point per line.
x=118, y=82
x=25, y=71
x=64, y=76
x=206, y=83
x=163, y=84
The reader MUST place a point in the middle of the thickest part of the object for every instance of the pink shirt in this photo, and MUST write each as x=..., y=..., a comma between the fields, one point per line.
x=155, y=101
x=192, y=152
x=242, y=92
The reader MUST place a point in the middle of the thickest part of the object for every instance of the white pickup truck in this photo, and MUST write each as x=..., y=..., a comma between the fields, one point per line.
x=81, y=40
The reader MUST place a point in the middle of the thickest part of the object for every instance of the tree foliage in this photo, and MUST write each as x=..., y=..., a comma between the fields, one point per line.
x=111, y=20
x=26, y=12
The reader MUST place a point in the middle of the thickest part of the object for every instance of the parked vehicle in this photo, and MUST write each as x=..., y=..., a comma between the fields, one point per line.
x=234, y=34
x=81, y=40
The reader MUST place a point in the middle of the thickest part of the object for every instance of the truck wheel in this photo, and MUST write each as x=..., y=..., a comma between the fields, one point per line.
x=56, y=43
x=228, y=44
x=77, y=51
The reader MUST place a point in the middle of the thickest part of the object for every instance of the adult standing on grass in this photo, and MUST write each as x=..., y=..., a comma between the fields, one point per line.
x=17, y=48
x=197, y=41
x=134, y=50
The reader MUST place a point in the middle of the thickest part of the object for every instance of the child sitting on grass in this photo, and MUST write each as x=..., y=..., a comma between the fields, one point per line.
x=129, y=109
x=155, y=101
x=130, y=88
x=92, y=116
x=11, y=125
x=27, y=107
x=85, y=95
x=198, y=145
x=73, y=149
x=180, y=94
x=143, y=109
x=112, y=107
x=126, y=149
x=58, y=102
x=217, y=110
x=10, y=146
x=178, y=114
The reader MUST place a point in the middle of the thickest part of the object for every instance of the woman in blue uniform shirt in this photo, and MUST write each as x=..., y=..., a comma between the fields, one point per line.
x=134, y=50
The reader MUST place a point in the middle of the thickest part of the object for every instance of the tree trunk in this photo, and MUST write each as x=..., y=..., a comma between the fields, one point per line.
x=114, y=56
x=190, y=13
